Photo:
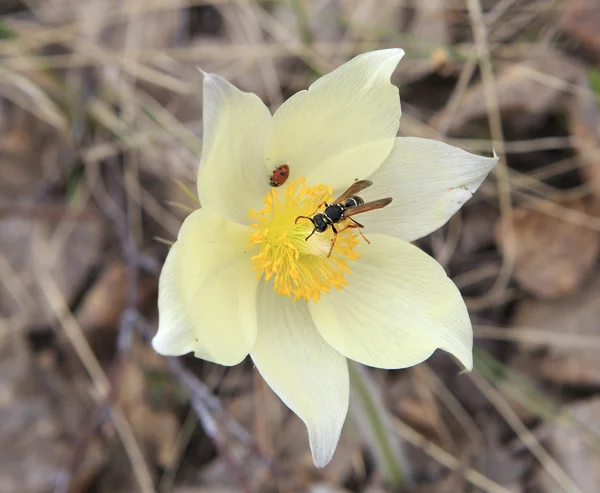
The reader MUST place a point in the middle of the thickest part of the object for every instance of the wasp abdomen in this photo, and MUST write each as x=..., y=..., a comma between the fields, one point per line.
x=353, y=201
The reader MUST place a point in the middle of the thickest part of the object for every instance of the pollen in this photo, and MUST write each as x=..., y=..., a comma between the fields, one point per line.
x=300, y=268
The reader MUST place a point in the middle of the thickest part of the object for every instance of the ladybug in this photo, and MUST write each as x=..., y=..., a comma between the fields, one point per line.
x=279, y=176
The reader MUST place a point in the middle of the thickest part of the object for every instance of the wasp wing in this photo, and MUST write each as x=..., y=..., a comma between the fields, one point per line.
x=356, y=187
x=369, y=206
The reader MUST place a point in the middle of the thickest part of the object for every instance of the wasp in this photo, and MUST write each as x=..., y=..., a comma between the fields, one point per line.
x=343, y=208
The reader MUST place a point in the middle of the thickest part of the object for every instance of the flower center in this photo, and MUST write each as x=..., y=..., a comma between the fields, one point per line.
x=301, y=268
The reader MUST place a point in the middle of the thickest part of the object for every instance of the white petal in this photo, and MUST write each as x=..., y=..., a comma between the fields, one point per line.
x=343, y=127
x=429, y=182
x=309, y=376
x=207, y=292
x=398, y=308
x=232, y=177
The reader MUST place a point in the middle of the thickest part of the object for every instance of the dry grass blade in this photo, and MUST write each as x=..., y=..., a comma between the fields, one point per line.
x=99, y=379
x=28, y=95
x=528, y=438
x=454, y=406
x=495, y=123
x=553, y=209
x=446, y=459
x=190, y=424
x=537, y=336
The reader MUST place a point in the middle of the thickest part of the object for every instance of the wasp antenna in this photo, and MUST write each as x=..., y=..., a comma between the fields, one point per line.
x=305, y=217
x=313, y=232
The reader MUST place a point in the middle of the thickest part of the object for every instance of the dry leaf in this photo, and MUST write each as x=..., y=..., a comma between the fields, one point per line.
x=553, y=257
x=581, y=19
x=575, y=315
x=101, y=309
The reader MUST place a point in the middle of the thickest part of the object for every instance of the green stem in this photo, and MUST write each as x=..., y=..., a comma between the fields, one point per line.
x=379, y=431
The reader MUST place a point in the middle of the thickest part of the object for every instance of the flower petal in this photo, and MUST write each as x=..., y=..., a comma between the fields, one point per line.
x=232, y=177
x=309, y=376
x=429, y=182
x=398, y=308
x=207, y=292
x=343, y=127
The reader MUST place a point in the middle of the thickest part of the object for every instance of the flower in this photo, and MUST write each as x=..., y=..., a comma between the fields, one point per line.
x=243, y=279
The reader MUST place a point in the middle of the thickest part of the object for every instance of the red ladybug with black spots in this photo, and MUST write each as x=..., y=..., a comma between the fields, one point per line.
x=279, y=176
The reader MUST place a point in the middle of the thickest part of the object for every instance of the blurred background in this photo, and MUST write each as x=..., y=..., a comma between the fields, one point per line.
x=100, y=137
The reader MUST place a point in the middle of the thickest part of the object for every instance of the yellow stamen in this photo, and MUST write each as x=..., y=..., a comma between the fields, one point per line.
x=300, y=268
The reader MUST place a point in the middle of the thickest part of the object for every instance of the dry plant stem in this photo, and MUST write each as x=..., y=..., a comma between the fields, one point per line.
x=206, y=407
x=130, y=111
x=210, y=403
x=249, y=23
x=167, y=481
x=428, y=400
x=455, y=99
x=452, y=404
x=198, y=54
x=526, y=436
x=115, y=210
x=12, y=330
x=105, y=385
x=519, y=389
x=283, y=35
x=101, y=383
x=444, y=248
x=62, y=484
x=14, y=284
x=514, y=146
x=200, y=391
x=261, y=427
x=374, y=420
x=114, y=203
x=212, y=430
x=446, y=459
x=553, y=209
x=531, y=335
x=495, y=123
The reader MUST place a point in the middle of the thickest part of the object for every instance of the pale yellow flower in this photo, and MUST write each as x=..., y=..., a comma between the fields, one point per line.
x=241, y=278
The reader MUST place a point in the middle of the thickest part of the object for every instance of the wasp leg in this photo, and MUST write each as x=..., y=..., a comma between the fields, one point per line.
x=319, y=207
x=357, y=226
x=355, y=222
x=361, y=234
x=335, y=233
